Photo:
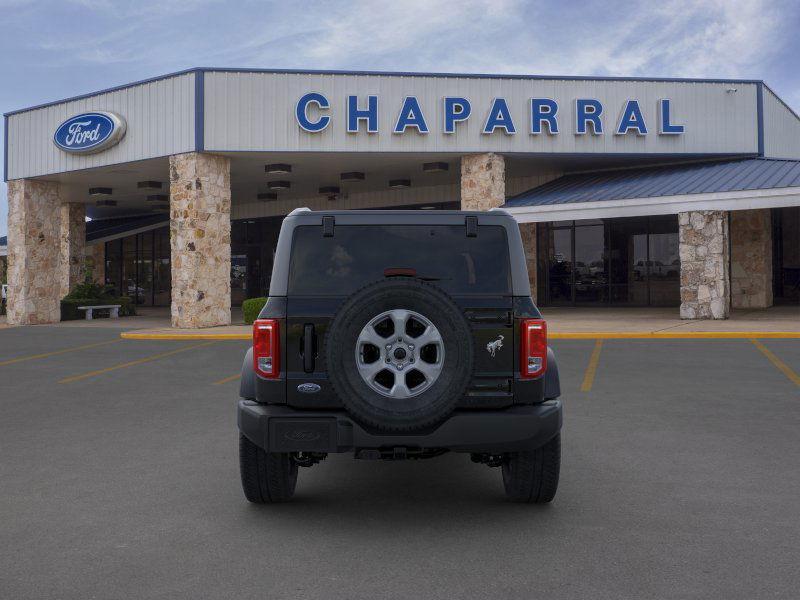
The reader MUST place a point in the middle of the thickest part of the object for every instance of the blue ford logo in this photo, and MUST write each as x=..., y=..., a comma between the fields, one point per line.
x=90, y=132
x=308, y=388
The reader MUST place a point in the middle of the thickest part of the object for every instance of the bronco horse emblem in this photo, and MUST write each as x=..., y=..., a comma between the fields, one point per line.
x=494, y=346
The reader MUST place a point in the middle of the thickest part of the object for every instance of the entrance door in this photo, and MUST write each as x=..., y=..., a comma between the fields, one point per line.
x=628, y=263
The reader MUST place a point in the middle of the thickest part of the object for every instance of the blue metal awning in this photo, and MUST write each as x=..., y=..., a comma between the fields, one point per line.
x=671, y=180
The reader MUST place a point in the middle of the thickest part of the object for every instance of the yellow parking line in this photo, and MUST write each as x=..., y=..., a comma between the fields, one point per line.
x=591, y=369
x=227, y=379
x=127, y=335
x=132, y=363
x=665, y=335
x=553, y=335
x=55, y=353
x=779, y=364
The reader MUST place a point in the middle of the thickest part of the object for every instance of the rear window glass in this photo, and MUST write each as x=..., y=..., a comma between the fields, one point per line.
x=357, y=255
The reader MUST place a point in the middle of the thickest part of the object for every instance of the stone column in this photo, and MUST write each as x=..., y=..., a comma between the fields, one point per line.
x=200, y=239
x=528, y=232
x=483, y=181
x=751, y=258
x=72, y=246
x=34, y=242
x=703, y=247
x=96, y=257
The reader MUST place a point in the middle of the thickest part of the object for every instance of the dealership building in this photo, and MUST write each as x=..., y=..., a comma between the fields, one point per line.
x=628, y=191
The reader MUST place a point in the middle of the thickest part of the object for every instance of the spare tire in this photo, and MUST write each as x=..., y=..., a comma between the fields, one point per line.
x=399, y=354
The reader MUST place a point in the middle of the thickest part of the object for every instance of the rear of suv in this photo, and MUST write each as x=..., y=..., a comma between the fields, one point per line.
x=399, y=335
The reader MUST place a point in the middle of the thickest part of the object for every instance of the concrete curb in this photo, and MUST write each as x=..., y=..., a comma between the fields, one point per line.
x=589, y=335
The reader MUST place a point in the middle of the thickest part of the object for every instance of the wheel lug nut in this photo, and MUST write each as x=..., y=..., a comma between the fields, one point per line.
x=388, y=346
x=388, y=360
x=410, y=347
x=411, y=360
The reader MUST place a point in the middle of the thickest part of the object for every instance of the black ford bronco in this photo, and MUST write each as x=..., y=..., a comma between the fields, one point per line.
x=399, y=335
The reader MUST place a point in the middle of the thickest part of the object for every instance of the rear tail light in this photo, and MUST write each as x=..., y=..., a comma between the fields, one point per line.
x=266, y=348
x=533, y=348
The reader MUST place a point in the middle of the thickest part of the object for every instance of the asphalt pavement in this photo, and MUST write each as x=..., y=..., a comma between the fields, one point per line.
x=119, y=479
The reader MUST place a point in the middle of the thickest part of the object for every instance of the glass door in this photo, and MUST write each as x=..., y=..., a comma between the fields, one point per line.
x=628, y=264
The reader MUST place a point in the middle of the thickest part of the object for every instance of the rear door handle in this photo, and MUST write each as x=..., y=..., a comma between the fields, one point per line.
x=308, y=348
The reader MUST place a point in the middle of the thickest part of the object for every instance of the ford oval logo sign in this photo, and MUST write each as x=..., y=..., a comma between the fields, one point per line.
x=308, y=388
x=90, y=132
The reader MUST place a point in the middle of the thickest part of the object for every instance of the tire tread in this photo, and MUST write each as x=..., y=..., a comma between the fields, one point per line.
x=267, y=477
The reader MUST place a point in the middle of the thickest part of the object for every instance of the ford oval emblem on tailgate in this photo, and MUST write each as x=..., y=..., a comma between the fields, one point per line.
x=308, y=388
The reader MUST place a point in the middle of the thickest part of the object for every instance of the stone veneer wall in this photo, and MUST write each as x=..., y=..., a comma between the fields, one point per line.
x=751, y=258
x=34, y=243
x=200, y=239
x=703, y=247
x=483, y=181
x=96, y=258
x=528, y=232
x=72, y=246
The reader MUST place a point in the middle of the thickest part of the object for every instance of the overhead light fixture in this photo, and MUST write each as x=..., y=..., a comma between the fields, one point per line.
x=106, y=203
x=427, y=208
x=100, y=191
x=352, y=176
x=149, y=185
x=279, y=185
x=435, y=167
x=158, y=198
x=278, y=168
x=329, y=189
x=399, y=183
x=267, y=196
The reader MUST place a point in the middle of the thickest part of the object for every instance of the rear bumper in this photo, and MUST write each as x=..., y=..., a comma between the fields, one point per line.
x=283, y=429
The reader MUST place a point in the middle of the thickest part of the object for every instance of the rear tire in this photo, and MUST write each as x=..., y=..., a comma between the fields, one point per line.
x=532, y=476
x=266, y=476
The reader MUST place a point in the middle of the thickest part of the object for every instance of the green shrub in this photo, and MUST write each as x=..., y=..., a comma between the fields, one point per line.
x=89, y=289
x=251, y=307
x=70, y=312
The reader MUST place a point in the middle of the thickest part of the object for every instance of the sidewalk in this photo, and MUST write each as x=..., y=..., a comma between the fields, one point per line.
x=562, y=323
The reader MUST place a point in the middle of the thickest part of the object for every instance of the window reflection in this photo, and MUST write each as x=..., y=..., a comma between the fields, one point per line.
x=630, y=262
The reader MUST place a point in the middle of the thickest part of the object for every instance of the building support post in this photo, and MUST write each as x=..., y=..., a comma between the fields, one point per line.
x=483, y=181
x=34, y=234
x=200, y=239
x=73, y=243
x=703, y=247
x=751, y=258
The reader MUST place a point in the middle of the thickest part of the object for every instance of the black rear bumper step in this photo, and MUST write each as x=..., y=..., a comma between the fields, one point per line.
x=283, y=429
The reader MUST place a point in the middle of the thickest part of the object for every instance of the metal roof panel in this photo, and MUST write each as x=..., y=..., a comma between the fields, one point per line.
x=670, y=180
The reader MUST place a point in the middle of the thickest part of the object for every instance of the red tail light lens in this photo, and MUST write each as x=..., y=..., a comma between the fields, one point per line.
x=266, y=348
x=533, y=348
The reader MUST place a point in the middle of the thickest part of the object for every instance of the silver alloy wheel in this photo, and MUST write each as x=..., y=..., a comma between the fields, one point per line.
x=412, y=363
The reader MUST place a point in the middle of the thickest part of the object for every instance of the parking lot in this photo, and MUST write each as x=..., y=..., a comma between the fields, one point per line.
x=119, y=479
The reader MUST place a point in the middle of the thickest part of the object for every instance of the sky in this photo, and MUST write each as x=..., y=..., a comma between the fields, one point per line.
x=53, y=50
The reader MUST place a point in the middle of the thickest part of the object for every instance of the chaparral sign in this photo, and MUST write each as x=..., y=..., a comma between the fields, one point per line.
x=90, y=132
x=588, y=116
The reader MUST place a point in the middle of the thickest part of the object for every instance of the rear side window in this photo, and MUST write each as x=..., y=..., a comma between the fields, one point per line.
x=357, y=255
